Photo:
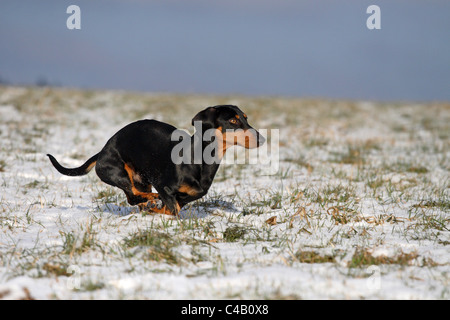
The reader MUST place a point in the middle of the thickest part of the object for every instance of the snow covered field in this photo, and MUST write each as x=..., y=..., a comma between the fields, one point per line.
x=359, y=208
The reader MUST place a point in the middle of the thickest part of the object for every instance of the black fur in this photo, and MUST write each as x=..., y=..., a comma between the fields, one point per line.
x=138, y=157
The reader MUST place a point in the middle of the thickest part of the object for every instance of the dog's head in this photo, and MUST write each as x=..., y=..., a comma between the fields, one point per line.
x=231, y=126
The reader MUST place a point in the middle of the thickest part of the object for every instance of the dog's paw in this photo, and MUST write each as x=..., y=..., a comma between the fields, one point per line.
x=153, y=204
x=156, y=204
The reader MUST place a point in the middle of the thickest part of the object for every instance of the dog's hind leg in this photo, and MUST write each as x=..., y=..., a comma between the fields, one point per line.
x=117, y=174
x=138, y=188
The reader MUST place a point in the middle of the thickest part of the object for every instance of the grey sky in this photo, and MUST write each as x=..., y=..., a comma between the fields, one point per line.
x=266, y=47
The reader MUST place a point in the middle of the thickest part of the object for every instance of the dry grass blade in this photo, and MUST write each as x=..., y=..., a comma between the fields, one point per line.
x=272, y=221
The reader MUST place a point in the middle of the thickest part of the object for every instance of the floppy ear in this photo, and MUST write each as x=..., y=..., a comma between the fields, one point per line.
x=207, y=117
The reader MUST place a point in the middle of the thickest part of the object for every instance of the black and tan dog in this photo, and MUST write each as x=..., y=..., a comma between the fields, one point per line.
x=139, y=157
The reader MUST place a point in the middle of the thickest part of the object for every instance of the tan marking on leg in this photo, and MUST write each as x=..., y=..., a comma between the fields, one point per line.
x=187, y=189
x=164, y=210
x=136, y=192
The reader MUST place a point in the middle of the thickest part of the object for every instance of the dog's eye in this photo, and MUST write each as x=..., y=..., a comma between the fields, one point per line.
x=233, y=121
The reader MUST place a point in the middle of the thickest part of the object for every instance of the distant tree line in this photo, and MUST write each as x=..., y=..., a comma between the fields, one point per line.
x=41, y=81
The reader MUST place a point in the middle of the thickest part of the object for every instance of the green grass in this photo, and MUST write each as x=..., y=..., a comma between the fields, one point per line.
x=2, y=165
x=363, y=257
x=314, y=257
x=234, y=233
x=158, y=246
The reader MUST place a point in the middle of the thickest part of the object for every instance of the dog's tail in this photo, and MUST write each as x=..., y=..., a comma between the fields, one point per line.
x=84, y=169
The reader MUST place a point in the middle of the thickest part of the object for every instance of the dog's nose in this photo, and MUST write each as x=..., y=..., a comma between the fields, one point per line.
x=261, y=139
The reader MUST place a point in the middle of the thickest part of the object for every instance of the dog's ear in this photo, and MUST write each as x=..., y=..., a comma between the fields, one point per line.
x=207, y=118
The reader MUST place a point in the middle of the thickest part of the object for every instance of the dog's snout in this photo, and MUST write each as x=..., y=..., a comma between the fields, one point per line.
x=261, y=139
x=256, y=139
